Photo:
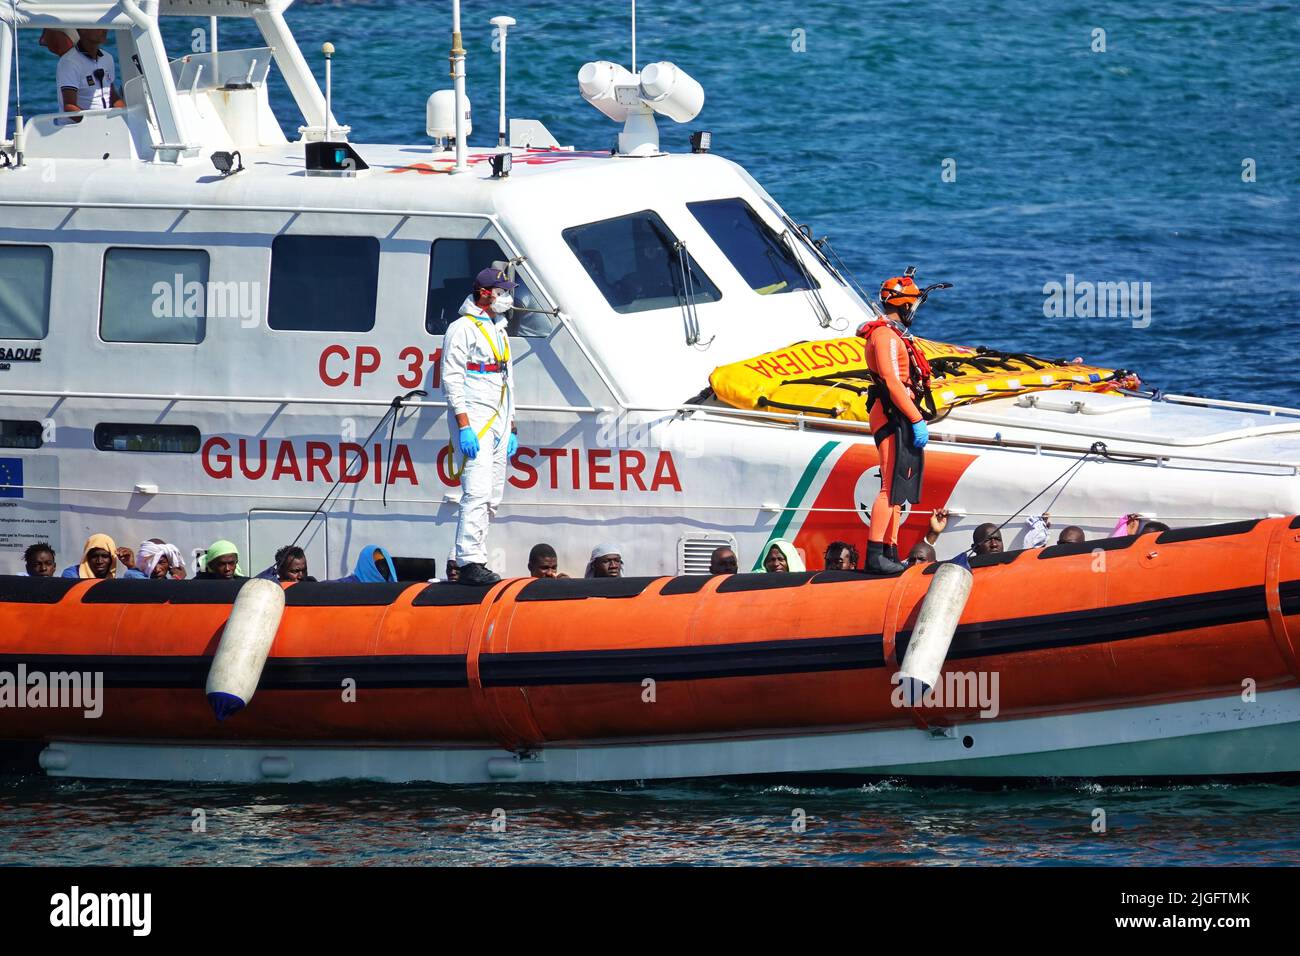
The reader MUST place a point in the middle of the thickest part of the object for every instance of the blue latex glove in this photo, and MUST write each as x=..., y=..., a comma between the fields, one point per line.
x=920, y=433
x=468, y=442
x=512, y=446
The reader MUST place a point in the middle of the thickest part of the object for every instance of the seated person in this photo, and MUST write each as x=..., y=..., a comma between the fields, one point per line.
x=840, y=556
x=374, y=566
x=151, y=562
x=1136, y=523
x=220, y=563
x=290, y=565
x=39, y=560
x=987, y=539
x=782, y=556
x=922, y=553
x=98, y=559
x=606, y=562
x=723, y=561
x=543, y=562
x=86, y=76
x=1072, y=534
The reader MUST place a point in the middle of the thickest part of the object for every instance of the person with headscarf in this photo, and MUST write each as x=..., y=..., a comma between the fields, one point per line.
x=152, y=562
x=220, y=563
x=606, y=562
x=782, y=556
x=98, y=559
x=373, y=567
x=175, y=562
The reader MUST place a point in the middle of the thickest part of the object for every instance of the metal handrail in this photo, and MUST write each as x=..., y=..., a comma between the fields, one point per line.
x=275, y=400
x=579, y=506
x=1273, y=410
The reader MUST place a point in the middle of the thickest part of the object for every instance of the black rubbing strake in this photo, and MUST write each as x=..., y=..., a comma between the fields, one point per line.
x=344, y=594
x=20, y=590
x=763, y=581
x=685, y=584
x=1174, y=535
x=578, y=589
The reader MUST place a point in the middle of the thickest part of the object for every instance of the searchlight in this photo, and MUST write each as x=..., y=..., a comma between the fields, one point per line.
x=634, y=98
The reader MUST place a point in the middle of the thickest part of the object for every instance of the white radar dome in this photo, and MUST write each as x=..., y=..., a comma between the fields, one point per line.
x=440, y=115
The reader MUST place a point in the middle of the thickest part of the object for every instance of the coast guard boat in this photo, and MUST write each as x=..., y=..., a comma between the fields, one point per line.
x=212, y=327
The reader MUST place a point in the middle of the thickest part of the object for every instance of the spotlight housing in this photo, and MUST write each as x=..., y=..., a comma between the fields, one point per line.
x=227, y=164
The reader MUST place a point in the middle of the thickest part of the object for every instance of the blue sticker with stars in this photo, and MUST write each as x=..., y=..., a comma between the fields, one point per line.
x=11, y=477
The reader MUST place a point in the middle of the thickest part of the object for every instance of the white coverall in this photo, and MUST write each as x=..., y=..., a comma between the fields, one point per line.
x=478, y=394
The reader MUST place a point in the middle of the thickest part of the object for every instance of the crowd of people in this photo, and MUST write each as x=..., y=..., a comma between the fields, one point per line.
x=157, y=559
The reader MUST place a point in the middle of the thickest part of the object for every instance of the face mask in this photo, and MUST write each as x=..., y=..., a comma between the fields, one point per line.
x=503, y=303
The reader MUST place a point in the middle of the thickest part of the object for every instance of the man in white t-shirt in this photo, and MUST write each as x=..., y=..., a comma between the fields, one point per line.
x=86, y=76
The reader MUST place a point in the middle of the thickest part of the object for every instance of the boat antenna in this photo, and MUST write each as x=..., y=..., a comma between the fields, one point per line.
x=502, y=24
x=458, y=85
x=633, y=36
x=20, y=137
x=328, y=49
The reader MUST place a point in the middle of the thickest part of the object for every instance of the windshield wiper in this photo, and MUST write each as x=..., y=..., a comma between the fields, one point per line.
x=822, y=313
x=686, y=296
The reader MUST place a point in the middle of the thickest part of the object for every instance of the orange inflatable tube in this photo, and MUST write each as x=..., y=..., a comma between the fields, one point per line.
x=1180, y=614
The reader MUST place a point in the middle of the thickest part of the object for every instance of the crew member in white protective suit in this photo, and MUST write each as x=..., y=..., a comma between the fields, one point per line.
x=479, y=383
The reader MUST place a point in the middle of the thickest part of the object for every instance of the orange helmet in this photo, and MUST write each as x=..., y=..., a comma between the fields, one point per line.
x=900, y=291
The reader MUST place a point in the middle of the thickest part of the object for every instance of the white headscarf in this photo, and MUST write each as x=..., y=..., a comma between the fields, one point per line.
x=792, y=558
x=599, y=551
x=147, y=555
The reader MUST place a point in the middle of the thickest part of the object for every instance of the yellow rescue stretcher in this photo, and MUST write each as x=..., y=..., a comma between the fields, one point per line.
x=830, y=377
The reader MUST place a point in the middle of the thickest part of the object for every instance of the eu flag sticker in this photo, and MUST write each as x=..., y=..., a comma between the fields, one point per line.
x=11, y=477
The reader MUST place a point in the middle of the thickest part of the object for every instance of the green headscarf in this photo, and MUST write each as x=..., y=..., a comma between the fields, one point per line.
x=217, y=550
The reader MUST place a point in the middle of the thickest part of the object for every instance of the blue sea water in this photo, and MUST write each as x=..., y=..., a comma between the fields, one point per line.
x=1119, y=166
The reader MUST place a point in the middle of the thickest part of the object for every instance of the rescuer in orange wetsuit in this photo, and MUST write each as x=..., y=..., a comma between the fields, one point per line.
x=899, y=375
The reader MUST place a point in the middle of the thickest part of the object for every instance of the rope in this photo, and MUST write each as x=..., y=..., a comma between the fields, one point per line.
x=393, y=408
x=1098, y=448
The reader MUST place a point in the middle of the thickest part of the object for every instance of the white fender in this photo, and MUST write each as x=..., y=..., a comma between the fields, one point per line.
x=935, y=624
x=245, y=643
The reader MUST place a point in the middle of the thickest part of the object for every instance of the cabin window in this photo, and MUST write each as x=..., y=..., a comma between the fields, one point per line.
x=20, y=434
x=323, y=283
x=453, y=264
x=25, y=291
x=759, y=255
x=154, y=295
x=120, y=436
x=635, y=263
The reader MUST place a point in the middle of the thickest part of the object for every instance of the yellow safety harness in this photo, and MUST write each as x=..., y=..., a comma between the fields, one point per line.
x=503, y=361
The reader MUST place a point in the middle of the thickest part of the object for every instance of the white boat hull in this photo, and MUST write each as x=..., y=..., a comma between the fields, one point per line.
x=1211, y=737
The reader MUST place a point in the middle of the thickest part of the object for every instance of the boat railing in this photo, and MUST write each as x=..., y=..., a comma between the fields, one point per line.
x=800, y=421
x=1272, y=410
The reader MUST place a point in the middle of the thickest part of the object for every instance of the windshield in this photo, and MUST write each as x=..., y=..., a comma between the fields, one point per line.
x=635, y=263
x=759, y=255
